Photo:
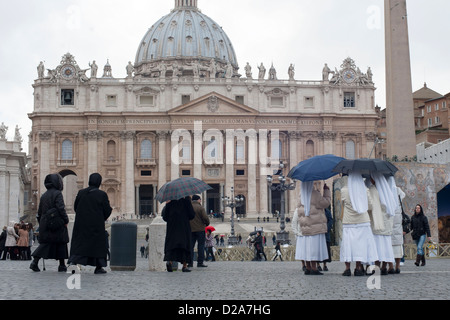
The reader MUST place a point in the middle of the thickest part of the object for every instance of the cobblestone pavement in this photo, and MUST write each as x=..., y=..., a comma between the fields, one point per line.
x=244, y=280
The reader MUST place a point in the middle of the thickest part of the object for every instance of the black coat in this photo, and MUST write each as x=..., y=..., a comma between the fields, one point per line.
x=92, y=209
x=419, y=226
x=178, y=214
x=2, y=240
x=53, y=198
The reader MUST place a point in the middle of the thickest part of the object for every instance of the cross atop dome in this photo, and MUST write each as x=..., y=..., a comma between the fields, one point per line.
x=185, y=4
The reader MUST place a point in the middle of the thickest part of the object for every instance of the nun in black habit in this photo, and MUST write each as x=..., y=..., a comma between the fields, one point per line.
x=92, y=208
x=52, y=243
x=177, y=246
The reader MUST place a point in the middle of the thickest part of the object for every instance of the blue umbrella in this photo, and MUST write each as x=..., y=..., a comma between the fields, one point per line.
x=315, y=168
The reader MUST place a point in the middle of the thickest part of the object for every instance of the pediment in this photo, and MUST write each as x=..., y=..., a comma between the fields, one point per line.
x=213, y=104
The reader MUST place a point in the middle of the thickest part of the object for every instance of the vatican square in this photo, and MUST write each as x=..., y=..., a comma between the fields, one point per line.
x=236, y=95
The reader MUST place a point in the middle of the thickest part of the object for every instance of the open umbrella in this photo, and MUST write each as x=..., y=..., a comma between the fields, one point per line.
x=366, y=166
x=315, y=168
x=210, y=228
x=180, y=188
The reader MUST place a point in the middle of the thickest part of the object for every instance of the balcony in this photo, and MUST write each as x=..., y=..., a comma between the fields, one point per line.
x=66, y=163
x=146, y=163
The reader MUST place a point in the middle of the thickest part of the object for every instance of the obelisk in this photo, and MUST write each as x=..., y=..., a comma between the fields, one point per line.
x=401, y=137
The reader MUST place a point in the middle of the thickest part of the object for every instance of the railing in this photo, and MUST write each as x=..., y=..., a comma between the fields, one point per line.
x=242, y=253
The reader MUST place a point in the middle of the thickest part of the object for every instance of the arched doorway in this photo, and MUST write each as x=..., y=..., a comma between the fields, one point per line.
x=70, y=190
x=443, y=200
x=242, y=210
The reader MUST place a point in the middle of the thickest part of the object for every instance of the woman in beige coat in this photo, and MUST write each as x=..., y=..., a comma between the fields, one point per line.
x=313, y=224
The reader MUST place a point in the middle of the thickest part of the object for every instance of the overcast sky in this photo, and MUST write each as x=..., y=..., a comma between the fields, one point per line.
x=307, y=33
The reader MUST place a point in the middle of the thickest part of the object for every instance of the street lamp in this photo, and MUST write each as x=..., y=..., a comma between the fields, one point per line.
x=283, y=186
x=233, y=202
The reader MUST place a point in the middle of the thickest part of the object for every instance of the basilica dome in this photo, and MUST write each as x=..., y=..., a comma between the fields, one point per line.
x=185, y=35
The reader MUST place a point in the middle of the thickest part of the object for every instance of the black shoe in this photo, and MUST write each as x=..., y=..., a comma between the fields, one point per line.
x=185, y=270
x=325, y=268
x=397, y=271
x=358, y=273
x=319, y=268
x=347, y=273
x=62, y=268
x=99, y=271
x=384, y=272
x=316, y=272
x=201, y=265
x=169, y=266
x=34, y=266
x=307, y=271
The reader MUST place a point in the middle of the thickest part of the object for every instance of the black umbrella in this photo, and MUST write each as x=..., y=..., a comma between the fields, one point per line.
x=366, y=166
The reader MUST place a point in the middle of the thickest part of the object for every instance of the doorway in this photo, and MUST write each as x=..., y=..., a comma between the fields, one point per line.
x=213, y=199
x=146, y=201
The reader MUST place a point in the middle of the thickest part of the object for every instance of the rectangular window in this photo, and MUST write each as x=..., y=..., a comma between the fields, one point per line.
x=146, y=173
x=430, y=122
x=185, y=99
x=239, y=99
x=185, y=173
x=309, y=102
x=428, y=109
x=111, y=101
x=146, y=100
x=276, y=101
x=67, y=97
x=349, y=99
x=240, y=172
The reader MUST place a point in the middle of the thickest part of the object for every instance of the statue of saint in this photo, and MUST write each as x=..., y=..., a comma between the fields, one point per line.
x=94, y=69
x=291, y=72
x=262, y=72
x=272, y=73
x=41, y=70
x=130, y=70
x=248, y=71
x=3, y=130
x=18, y=136
x=326, y=73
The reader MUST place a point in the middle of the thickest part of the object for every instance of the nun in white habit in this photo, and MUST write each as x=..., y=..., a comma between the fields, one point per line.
x=382, y=215
x=358, y=244
x=312, y=246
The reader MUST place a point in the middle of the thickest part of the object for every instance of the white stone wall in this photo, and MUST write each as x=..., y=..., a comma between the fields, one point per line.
x=437, y=153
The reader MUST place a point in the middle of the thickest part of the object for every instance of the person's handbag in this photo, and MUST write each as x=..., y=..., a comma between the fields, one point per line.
x=405, y=219
x=52, y=220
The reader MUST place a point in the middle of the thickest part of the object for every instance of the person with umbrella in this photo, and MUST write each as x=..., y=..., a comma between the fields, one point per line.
x=177, y=246
x=198, y=225
x=313, y=224
x=209, y=243
x=358, y=244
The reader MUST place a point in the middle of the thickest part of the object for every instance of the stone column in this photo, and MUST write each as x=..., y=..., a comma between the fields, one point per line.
x=128, y=137
x=229, y=165
x=92, y=137
x=198, y=154
x=293, y=161
x=162, y=162
x=263, y=187
x=14, y=191
x=44, y=161
x=251, y=174
x=3, y=198
x=174, y=157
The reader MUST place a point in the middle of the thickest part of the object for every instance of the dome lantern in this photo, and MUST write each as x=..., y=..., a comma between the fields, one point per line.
x=185, y=4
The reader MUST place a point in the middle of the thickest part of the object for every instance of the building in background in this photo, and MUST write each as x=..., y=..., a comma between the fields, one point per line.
x=185, y=110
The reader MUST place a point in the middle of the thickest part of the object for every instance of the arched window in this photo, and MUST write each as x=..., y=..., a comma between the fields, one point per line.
x=35, y=154
x=240, y=151
x=277, y=149
x=350, y=149
x=309, y=149
x=146, y=149
x=67, y=150
x=186, y=150
x=111, y=150
x=212, y=148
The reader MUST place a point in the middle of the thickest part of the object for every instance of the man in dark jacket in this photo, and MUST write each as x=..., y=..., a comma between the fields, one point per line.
x=198, y=225
x=2, y=244
x=92, y=209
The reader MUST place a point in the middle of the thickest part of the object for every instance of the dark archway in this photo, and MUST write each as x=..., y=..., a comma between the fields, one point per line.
x=443, y=200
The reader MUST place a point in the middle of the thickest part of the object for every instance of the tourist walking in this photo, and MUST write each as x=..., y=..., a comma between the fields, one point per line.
x=259, y=247
x=198, y=225
x=313, y=223
x=420, y=229
x=278, y=252
x=358, y=244
x=177, y=246
x=92, y=208
x=52, y=239
x=209, y=244
x=22, y=242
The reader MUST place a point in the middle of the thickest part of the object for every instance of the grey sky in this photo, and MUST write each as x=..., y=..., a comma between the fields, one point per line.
x=307, y=33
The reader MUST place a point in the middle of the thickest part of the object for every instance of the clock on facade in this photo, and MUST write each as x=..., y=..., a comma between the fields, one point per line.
x=68, y=71
x=349, y=75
